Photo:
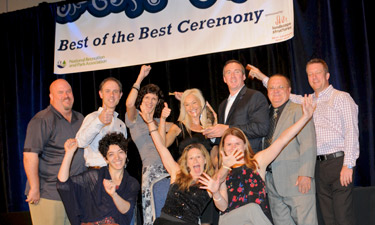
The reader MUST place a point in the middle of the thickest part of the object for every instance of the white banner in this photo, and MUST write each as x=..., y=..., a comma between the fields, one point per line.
x=103, y=34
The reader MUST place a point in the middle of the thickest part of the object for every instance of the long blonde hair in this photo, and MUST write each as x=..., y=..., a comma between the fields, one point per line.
x=183, y=179
x=250, y=162
x=185, y=118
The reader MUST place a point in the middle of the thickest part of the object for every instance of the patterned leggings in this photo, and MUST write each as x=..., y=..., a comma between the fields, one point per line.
x=149, y=175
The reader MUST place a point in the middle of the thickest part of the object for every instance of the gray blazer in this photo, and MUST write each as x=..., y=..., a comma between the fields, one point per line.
x=298, y=157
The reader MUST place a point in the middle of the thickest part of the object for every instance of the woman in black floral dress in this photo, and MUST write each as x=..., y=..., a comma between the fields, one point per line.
x=242, y=197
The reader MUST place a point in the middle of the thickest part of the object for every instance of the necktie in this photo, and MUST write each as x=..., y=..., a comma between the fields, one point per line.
x=273, y=122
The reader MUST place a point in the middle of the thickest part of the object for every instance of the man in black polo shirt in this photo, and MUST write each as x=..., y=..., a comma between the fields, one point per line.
x=44, y=151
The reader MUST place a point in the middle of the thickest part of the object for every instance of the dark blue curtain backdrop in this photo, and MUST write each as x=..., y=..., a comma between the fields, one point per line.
x=337, y=31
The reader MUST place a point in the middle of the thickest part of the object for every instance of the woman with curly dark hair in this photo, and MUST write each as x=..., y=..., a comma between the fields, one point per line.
x=151, y=98
x=104, y=196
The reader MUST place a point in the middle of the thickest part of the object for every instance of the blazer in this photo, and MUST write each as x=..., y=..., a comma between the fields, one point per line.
x=298, y=158
x=249, y=113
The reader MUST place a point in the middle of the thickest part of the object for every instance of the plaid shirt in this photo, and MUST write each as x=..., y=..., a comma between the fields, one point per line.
x=336, y=123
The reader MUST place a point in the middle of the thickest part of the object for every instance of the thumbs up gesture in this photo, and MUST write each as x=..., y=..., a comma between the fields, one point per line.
x=165, y=112
x=106, y=115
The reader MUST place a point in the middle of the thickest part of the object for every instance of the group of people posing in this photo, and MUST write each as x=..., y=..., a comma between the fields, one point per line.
x=251, y=163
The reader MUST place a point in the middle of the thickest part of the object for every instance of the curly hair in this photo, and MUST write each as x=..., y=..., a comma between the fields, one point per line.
x=250, y=162
x=113, y=139
x=153, y=89
x=183, y=179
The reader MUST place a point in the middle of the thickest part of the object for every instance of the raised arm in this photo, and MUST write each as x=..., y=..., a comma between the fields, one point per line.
x=70, y=147
x=266, y=156
x=256, y=73
x=132, y=97
x=173, y=130
x=170, y=165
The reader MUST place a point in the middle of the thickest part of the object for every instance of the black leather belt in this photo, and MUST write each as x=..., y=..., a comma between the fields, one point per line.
x=329, y=156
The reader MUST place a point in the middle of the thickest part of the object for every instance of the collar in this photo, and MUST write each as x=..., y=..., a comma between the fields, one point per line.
x=60, y=116
x=325, y=93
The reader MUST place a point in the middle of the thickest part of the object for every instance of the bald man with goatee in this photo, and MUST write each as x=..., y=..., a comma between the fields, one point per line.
x=44, y=151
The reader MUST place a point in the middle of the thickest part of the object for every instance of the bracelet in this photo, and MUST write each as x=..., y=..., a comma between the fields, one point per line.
x=216, y=199
x=136, y=88
x=149, y=122
x=153, y=130
x=226, y=167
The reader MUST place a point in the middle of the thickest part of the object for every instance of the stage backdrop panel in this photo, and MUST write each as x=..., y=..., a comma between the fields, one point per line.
x=102, y=34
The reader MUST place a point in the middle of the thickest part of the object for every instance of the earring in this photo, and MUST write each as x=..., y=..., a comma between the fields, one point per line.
x=126, y=162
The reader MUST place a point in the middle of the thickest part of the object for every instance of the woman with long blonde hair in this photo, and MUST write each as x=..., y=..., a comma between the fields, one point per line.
x=186, y=198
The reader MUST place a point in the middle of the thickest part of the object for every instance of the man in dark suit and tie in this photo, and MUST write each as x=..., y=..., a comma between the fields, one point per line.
x=245, y=108
x=290, y=177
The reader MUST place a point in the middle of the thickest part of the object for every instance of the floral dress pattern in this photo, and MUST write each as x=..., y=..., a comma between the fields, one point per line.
x=246, y=186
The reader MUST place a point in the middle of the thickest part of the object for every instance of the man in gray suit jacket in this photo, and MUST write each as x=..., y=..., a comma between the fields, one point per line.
x=245, y=108
x=290, y=178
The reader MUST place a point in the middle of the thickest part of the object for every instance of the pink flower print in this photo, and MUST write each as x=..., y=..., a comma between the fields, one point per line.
x=234, y=199
x=257, y=201
x=239, y=189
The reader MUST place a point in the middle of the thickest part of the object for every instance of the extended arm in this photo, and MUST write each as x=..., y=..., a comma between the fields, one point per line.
x=266, y=156
x=173, y=131
x=170, y=165
x=132, y=97
x=256, y=73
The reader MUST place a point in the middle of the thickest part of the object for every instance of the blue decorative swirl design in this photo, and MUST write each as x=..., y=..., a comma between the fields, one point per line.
x=203, y=4
x=100, y=8
x=239, y=1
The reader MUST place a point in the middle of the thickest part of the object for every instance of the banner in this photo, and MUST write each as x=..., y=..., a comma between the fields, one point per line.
x=103, y=34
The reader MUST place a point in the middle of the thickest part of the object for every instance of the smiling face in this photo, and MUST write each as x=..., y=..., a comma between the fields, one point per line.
x=317, y=76
x=278, y=90
x=234, y=77
x=195, y=162
x=61, y=96
x=110, y=94
x=116, y=157
x=192, y=106
x=149, y=101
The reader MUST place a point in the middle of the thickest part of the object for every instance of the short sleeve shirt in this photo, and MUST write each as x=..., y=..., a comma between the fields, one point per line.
x=46, y=134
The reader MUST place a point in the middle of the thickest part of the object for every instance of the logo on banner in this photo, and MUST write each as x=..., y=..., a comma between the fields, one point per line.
x=61, y=64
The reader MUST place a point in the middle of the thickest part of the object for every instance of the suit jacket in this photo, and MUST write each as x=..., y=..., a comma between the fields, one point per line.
x=298, y=157
x=249, y=113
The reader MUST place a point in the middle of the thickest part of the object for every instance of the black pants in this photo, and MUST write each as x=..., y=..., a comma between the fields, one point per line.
x=336, y=201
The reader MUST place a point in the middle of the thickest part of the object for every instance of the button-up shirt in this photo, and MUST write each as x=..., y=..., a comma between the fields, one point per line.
x=92, y=131
x=336, y=123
